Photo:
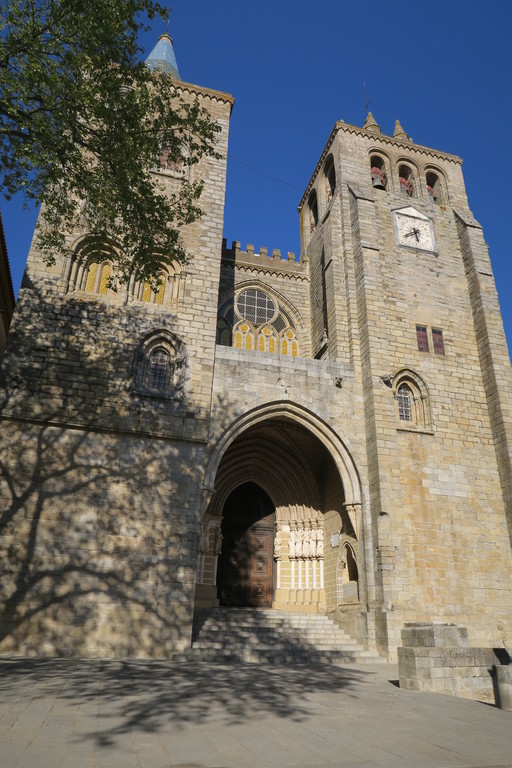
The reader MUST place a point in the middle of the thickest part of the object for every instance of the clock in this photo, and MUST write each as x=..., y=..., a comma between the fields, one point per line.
x=413, y=229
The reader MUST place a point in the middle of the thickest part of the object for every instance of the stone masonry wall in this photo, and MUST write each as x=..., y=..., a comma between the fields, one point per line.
x=101, y=483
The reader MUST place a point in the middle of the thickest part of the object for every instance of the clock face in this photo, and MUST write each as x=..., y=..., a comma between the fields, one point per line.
x=415, y=231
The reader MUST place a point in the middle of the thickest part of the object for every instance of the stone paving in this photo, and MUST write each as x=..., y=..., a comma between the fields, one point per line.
x=106, y=714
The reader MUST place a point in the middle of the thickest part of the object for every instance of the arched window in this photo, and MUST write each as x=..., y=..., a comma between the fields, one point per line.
x=154, y=294
x=258, y=322
x=289, y=343
x=330, y=177
x=411, y=401
x=404, y=401
x=243, y=336
x=96, y=278
x=159, y=366
x=378, y=172
x=168, y=288
x=406, y=179
x=267, y=339
x=92, y=268
x=313, y=211
x=347, y=576
x=434, y=187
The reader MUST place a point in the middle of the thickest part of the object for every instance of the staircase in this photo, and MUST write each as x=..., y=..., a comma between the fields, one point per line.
x=257, y=635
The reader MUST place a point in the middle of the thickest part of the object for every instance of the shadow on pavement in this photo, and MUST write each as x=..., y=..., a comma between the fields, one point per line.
x=147, y=696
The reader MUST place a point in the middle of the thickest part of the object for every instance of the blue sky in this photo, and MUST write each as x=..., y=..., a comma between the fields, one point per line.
x=295, y=67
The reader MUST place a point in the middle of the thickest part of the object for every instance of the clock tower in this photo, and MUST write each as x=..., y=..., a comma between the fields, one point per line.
x=402, y=290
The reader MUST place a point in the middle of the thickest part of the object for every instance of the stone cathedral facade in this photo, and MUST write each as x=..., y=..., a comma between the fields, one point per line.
x=329, y=433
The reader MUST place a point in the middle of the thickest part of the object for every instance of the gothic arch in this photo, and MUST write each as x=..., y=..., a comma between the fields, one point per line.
x=412, y=385
x=313, y=489
x=159, y=367
x=299, y=415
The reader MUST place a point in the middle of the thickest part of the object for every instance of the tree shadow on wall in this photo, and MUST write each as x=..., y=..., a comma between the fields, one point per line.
x=98, y=544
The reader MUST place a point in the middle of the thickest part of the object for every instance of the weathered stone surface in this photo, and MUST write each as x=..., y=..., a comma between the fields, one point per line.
x=113, y=490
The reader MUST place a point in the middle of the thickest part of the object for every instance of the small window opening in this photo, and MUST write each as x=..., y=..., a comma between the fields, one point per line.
x=406, y=179
x=330, y=175
x=437, y=339
x=434, y=187
x=313, y=210
x=404, y=399
x=378, y=172
x=422, y=337
x=158, y=369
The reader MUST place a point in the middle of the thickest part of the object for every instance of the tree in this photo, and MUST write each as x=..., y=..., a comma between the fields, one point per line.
x=83, y=122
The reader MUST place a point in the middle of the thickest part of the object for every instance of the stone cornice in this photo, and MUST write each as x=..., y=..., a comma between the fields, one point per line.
x=208, y=92
x=266, y=270
x=376, y=138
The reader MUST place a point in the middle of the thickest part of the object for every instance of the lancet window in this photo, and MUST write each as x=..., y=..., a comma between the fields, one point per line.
x=411, y=401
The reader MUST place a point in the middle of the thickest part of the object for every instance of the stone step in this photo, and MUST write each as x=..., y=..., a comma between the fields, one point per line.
x=271, y=636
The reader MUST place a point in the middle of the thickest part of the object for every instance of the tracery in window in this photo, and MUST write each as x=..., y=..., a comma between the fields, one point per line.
x=243, y=336
x=160, y=365
x=256, y=306
x=289, y=343
x=258, y=322
x=411, y=401
x=267, y=339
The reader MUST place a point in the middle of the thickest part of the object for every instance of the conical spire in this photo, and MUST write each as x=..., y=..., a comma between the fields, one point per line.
x=399, y=132
x=162, y=57
x=370, y=124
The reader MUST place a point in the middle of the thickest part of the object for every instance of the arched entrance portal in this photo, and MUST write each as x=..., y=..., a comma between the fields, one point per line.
x=245, y=569
x=298, y=470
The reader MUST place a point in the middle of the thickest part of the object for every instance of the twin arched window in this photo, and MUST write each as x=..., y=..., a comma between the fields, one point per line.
x=97, y=277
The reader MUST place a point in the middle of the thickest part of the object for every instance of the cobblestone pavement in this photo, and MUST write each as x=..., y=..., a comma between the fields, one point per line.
x=105, y=714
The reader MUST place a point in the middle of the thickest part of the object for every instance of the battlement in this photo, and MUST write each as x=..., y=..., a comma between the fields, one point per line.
x=264, y=260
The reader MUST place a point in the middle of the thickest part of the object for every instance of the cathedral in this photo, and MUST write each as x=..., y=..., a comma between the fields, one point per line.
x=327, y=432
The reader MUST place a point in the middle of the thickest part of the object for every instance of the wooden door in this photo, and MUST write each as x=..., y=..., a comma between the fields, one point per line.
x=246, y=564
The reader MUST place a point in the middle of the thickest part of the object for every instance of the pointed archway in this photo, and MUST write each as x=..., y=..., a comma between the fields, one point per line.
x=310, y=481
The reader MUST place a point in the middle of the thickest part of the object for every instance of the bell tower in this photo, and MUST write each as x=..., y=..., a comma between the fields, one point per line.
x=110, y=392
x=402, y=290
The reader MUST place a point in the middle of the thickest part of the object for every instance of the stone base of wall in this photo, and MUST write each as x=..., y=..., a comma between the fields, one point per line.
x=438, y=658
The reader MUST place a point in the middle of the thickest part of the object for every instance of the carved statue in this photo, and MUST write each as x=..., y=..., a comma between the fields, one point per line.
x=204, y=537
x=319, y=541
x=299, y=546
x=218, y=542
x=277, y=545
x=306, y=541
x=292, y=541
